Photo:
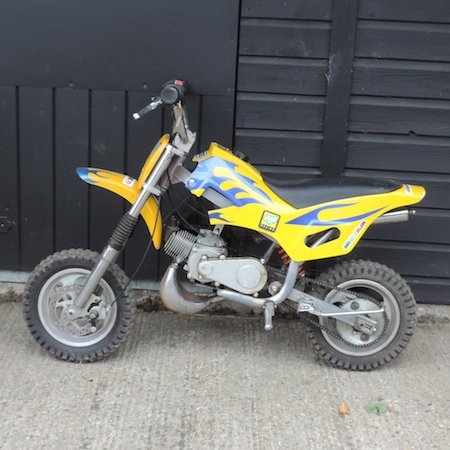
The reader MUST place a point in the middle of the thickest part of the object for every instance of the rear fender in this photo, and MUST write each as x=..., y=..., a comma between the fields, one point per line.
x=129, y=189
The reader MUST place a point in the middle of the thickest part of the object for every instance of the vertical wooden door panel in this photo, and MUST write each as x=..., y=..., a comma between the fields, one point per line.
x=36, y=174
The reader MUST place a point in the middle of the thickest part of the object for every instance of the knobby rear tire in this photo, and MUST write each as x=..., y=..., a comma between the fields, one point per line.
x=54, y=284
x=363, y=352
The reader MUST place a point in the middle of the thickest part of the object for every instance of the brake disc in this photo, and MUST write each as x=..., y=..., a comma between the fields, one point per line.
x=60, y=301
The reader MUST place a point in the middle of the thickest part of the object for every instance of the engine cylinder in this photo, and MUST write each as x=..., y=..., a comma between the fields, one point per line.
x=180, y=244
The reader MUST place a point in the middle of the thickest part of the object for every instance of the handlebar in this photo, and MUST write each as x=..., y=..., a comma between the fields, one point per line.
x=172, y=93
x=150, y=107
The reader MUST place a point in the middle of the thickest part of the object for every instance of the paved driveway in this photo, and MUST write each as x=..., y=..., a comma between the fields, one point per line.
x=219, y=383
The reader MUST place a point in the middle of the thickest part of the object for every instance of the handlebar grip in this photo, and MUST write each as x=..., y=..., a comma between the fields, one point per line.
x=173, y=92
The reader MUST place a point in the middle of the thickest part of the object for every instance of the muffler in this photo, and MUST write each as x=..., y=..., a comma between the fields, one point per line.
x=395, y=216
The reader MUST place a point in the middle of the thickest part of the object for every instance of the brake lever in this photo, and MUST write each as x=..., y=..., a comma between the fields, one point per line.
x=146, y=109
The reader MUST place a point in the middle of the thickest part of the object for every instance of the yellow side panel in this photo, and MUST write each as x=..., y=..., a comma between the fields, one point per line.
x=256, y=207
x=292, y=227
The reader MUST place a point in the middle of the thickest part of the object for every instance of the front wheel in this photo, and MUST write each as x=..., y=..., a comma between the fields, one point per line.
x=49, y=295
x=378, y=286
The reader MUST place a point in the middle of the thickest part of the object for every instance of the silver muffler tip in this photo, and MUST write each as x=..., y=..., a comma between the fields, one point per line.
x=395, y=216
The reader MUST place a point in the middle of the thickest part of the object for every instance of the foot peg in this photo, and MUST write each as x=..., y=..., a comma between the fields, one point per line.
x=269, y=312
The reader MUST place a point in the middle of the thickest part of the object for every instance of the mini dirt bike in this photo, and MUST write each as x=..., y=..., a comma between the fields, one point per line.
x=255, y=249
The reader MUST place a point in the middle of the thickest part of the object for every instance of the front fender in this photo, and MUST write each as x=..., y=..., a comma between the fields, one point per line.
x=128, y=189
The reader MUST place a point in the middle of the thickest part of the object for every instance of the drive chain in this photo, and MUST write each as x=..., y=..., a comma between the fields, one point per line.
x=311, y=281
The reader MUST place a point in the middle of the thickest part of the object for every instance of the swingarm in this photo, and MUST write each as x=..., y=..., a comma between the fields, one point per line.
x=357, y=318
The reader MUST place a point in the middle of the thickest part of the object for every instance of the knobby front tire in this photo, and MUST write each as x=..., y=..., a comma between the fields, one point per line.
x=49, y=292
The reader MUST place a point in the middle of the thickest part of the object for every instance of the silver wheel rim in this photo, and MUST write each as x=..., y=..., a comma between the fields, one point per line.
x=54, y=299
x=382, y=337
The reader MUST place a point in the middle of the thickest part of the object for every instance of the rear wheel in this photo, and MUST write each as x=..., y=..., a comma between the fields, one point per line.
x=48, y=299
x=348, y=348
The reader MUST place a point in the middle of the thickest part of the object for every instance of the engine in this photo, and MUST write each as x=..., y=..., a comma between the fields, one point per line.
x=207, y=261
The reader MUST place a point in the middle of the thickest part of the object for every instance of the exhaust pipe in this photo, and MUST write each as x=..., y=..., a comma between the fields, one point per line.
x=395, y=216
x=177, y=299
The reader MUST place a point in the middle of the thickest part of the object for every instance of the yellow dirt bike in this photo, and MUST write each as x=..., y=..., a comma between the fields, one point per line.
x=255, y=249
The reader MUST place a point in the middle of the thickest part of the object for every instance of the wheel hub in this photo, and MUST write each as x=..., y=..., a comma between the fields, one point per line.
x=60, y=306
x=356, y=337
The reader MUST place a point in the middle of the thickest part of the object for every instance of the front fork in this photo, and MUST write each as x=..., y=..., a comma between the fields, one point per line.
x=122, y=232
x=117, y=242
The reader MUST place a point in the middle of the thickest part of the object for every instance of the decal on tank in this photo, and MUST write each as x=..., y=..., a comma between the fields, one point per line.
x=218, y=216
x=222, y=176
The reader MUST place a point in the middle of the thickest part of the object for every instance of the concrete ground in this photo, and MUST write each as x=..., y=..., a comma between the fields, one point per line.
x=221, y=382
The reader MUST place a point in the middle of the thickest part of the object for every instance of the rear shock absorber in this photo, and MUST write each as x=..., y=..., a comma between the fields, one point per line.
x=286, y=260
